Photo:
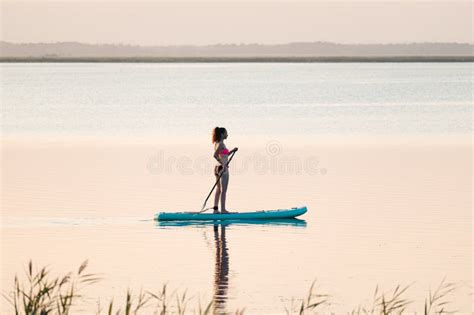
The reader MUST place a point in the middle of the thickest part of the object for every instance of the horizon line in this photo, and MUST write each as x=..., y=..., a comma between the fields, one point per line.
x=235, y=44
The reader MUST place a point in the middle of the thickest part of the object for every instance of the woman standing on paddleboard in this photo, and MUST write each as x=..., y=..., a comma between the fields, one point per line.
x=221, y=154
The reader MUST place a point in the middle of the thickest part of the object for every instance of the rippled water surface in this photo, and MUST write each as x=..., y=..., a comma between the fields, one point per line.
x=249, y=98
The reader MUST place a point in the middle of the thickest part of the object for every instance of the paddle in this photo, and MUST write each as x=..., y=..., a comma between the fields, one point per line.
x=213, y=187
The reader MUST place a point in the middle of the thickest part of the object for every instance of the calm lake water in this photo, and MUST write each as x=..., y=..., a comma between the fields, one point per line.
x=380, y=153
x=269, y=99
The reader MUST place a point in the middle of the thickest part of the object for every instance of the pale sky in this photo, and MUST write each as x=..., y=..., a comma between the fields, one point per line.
x=225, y=21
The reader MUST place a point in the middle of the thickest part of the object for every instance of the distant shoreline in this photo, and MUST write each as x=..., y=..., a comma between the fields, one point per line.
x=236, y=59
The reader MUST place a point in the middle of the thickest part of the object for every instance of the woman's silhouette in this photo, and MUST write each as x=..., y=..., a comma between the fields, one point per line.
x=221, y=154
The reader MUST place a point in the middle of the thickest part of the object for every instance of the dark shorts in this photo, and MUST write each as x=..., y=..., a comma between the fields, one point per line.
x=217, y=170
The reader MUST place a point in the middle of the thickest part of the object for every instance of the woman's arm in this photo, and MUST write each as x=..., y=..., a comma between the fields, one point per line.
x=216, y=153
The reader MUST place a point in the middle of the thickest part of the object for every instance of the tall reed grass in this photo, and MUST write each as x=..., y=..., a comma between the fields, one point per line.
x=44, y=294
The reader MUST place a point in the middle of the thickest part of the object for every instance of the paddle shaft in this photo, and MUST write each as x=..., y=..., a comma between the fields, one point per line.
x=217, y=182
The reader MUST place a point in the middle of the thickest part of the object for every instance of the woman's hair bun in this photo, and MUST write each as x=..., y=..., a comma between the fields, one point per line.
x=217, y=134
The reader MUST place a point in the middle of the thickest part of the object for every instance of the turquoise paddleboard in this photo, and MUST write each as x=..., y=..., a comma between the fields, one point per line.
x=256, y=215
x=201, y=223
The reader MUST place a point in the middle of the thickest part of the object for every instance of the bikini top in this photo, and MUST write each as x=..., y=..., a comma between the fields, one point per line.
x=224, y=152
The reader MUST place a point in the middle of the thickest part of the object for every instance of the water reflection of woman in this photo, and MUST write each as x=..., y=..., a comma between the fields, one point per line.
x=221, y=274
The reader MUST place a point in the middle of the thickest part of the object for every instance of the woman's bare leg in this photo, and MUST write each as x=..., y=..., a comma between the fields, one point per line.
x=224, y=183
x=217, y=196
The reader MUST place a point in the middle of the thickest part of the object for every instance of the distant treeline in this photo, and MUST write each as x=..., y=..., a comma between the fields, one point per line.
x=240, y=59
x=292, y=52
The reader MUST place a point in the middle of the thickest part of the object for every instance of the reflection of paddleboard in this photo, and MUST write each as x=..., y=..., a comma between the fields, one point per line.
x=201, y=223
x=257, y=215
